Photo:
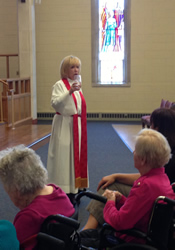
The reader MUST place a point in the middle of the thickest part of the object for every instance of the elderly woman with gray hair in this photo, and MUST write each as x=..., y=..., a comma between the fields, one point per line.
x=25, y=180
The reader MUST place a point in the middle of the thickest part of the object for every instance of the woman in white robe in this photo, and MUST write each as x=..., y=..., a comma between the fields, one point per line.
x=67, y=100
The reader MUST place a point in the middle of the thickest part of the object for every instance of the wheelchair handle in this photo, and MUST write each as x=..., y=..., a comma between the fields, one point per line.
x=91, y=195
x=166, y=199
x=63, y=219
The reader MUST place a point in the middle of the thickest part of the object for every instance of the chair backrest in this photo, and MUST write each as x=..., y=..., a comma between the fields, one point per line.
x=160, y=231
x=162, y=104
x=173, y=106
x=168, y=104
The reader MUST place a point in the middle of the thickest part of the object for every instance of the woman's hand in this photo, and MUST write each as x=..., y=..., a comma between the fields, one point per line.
x=106, y=181
x=75, y=87
x=118, y=196
x=112, y=195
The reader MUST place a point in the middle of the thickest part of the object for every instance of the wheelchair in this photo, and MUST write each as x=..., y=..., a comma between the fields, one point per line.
x=60, y=232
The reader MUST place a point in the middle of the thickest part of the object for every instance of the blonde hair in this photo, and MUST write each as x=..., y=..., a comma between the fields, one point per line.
x=66, y=63
x=153, y=147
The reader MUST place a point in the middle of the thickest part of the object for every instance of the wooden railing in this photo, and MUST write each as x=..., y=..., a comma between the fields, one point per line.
x=15, y=101
x=7, y=62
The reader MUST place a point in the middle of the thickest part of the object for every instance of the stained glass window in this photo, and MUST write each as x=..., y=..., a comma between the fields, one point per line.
x=111, y=41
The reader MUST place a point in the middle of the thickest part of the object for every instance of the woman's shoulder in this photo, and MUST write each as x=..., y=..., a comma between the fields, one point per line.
x=57, y=191
x=59, y=82
x=151, y=178
x=59, y=86
x=53, y=185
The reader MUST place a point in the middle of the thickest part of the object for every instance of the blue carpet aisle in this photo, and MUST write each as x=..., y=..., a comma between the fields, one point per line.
x=106, y=154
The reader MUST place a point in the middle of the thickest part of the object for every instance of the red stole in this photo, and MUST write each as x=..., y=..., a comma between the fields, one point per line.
x=80, y=160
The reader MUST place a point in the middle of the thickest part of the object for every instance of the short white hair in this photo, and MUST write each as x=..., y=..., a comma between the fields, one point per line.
x=153, y=147
x=22, y=169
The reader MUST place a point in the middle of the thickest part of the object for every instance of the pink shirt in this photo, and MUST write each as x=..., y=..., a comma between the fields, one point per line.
x=28, y=221
x=135, y=210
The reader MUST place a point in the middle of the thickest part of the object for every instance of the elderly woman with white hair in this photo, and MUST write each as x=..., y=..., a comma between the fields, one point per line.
x=151, y=153
x=25, y=180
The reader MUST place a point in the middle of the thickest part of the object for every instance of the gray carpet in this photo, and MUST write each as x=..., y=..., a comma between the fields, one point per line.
x=106, y=154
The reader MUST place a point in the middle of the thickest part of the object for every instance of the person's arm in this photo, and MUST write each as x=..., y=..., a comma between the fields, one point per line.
x=26, y=224
x=136, y=207
x=127, y=179
x=61, y=100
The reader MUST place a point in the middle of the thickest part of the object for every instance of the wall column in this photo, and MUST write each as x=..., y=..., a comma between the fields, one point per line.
x=27, y=48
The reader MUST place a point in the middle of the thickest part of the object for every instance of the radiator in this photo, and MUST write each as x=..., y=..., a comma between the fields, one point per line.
x=100, y=116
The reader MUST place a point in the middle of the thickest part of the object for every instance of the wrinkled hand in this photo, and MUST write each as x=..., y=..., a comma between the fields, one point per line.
x=106, y=181
x=75, y=87
x=112, y=195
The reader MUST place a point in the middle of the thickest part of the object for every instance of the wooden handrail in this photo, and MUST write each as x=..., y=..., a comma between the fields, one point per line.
x=7, y=61
x=8, y=54
x=16, y=79
x=5, y=83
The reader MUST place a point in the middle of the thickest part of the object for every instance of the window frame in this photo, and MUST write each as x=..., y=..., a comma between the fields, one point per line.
x=95, y=46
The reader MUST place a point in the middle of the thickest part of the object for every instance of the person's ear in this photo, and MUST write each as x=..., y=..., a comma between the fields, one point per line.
x=143, y=161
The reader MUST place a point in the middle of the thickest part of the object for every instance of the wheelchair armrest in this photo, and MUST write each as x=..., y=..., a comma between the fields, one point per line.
x=91, y=195
x=62, y=219
x=50, y=240
x=132, y=232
